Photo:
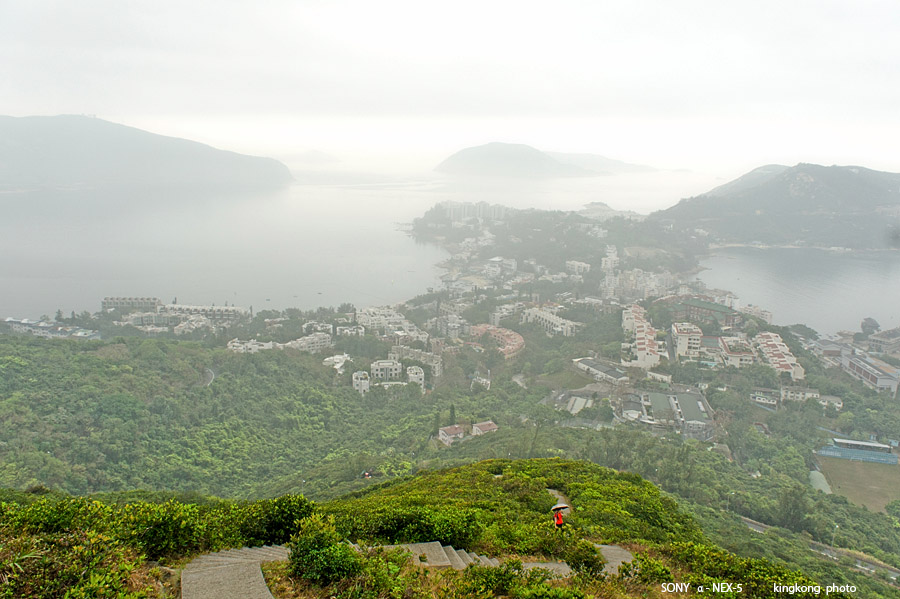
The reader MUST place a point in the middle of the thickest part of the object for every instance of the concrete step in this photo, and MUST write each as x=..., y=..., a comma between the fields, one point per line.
x=455, y=562
x=238, y=581
x=272, y=553
x=214, y=561
x=464, y=556
x=433, y=552
x=484, y=561
x=196, y=567
x=494, y=561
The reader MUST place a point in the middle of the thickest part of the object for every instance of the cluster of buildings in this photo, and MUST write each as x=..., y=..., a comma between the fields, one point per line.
x=386, y=373
x=509, y=343
x=433, y=360
x=457, y=432
x=49, y=330
x=865, y=367
x=460, y=212
x=312, y=343
x=636, y=284
x=775, y=398
x=151, y=316
x=686, y=413
x=390, y=323
x=689, y=342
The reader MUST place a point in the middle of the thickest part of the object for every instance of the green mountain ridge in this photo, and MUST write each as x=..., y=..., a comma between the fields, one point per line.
x=70, y=151
x=807, y=204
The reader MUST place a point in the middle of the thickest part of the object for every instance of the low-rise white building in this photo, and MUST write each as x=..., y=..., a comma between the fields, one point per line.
x=386, y=370
x=800, y=394
x=416, y=375
x=311, y=343
x=449, y=434
x=482, y=428
x=600, y=371
x=577, y=268
x=551, y=323
x=361, y=381
x=348, y=331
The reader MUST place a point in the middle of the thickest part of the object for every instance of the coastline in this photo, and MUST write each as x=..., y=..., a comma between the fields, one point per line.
x=762, y=246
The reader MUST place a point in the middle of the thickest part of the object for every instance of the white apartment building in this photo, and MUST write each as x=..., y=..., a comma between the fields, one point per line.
x=434, y=361
x=778, y=355
x=687, y=339
x=551, y=323
x=577, y=268
x=311, y=343
x=736, y=352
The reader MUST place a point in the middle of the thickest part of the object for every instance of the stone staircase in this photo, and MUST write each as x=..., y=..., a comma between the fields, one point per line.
x=235, y=573
x=435, y=555
x=231, y=574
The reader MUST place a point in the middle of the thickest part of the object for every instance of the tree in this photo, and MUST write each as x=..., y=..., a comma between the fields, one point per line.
x=869, y=325
x=793, y=507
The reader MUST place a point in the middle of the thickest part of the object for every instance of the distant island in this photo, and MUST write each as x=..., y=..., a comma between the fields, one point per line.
x=522, y=161
x=69, y=151
x=804, y=205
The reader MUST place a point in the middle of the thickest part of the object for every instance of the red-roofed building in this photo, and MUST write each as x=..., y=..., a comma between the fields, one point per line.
x=481, y=428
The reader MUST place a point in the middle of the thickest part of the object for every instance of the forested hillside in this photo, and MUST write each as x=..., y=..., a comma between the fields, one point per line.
x=143, y=413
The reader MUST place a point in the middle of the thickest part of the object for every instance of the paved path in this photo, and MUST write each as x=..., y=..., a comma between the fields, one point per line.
x=615, y=557
x=232, y=574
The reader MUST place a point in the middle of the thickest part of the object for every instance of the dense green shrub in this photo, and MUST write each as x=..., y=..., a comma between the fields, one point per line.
x=273, y=521
x=160, y=530
x=646, y=569
x=393, y=520
x=320, y=555
x=77, y=565
x=583, y=557
x=510, y=580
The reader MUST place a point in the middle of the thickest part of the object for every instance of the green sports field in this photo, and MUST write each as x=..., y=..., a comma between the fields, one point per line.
x=863, y=483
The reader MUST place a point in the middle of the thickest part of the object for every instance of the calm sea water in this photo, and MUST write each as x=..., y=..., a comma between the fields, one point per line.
x=825, y=290
x=305, y=247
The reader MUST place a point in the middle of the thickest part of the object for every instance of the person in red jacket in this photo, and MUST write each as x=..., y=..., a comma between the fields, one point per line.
x=558, y=519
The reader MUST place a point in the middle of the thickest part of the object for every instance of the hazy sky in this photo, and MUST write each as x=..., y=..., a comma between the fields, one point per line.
x=705, y=85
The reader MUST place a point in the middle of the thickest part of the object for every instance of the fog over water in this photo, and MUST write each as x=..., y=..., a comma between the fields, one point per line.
x=306, y=246
x=324, y=244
